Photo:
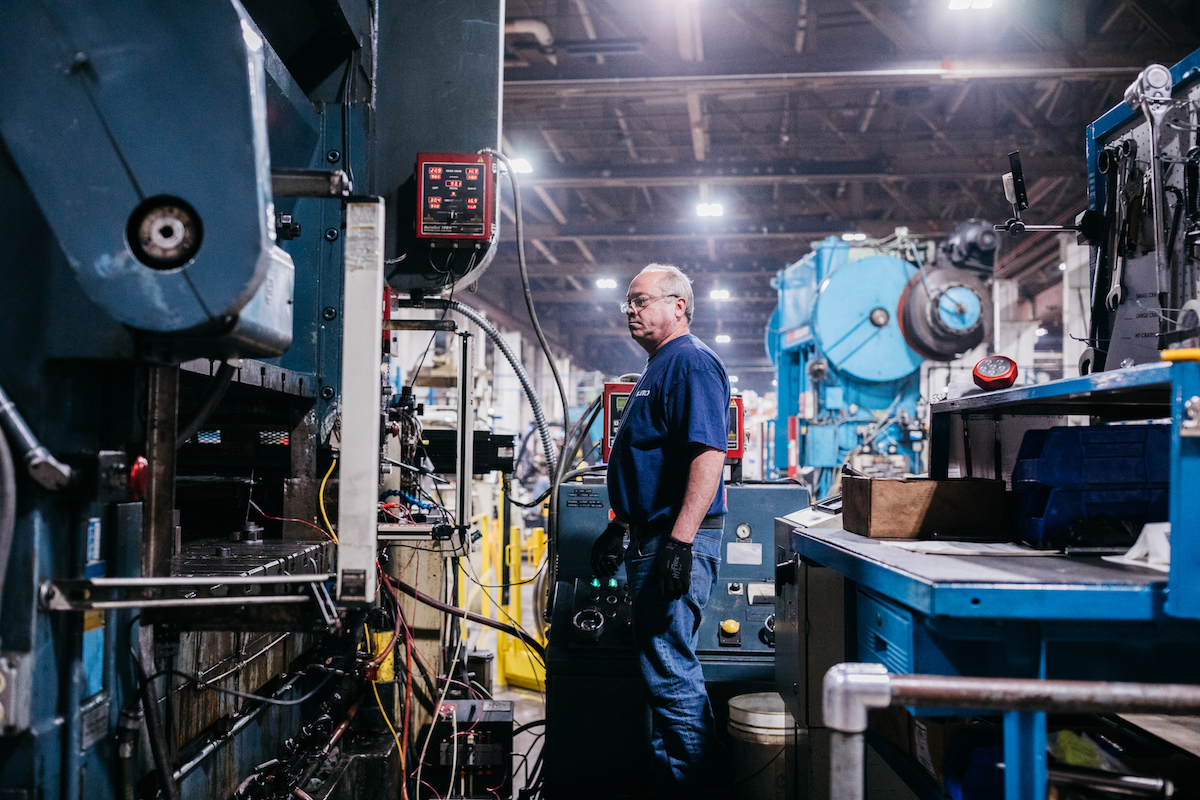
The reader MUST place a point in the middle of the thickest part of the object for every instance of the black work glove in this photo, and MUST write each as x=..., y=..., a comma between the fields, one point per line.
x=674, y=568
x=609, y=551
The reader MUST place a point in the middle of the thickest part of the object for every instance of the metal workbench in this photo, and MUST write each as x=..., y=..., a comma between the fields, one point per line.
x=1038, y=616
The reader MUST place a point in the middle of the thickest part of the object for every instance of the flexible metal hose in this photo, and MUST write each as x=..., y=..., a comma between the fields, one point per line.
x=539, y=415
x=8, y=506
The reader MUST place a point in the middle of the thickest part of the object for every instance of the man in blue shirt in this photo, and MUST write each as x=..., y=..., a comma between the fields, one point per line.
x=665, y=485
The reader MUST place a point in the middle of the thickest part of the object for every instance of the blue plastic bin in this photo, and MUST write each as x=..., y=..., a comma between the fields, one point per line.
x=1068, y=474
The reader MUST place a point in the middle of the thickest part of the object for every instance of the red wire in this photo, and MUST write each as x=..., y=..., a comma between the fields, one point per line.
x=324, y=532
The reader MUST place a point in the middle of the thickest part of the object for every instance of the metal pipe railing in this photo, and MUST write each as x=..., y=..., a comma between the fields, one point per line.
x=851, y=689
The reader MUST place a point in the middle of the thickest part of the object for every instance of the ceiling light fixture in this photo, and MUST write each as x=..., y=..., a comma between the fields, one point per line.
x=606, y=283
x=723, y=338
x=520, y=165
x=719, y=294
x=733, y=378
x=1041, y=331
x=854, y=237
x=1062, y=267
x=710, y=210
x=959, y=5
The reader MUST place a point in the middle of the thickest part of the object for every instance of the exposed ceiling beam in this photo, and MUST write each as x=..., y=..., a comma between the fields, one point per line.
x=1117, y=64
x=899, y=33
x=917, y=168
x=725, y=228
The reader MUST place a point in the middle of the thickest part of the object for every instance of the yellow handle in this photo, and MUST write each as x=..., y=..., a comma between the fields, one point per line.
x=1182, y=354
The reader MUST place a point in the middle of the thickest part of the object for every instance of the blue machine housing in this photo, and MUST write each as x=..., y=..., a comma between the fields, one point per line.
x=841, y=360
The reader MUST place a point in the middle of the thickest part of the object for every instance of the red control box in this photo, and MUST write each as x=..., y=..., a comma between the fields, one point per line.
x=616, y=395
x=456, y=196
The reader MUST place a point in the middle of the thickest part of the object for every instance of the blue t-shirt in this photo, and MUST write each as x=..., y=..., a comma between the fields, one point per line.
x=682, y=398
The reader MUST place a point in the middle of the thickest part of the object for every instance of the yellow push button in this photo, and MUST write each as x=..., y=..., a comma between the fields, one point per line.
x=730, y=627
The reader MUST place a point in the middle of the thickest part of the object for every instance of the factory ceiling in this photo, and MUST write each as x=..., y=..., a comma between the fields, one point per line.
x=802, y=119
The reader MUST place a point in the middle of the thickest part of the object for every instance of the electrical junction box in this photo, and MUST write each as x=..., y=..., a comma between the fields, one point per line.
x=616, y=395
x=456, y=197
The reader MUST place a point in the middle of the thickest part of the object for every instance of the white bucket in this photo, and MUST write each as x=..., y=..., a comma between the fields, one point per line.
x=762, y=733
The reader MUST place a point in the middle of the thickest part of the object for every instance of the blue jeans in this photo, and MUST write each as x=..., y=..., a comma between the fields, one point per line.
x=689, y=760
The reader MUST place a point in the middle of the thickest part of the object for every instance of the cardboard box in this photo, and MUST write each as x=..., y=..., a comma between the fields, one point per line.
x=892, y=508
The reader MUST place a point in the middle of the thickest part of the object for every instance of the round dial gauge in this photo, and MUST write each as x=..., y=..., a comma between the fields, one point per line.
x=742, y=531
x=995, y=372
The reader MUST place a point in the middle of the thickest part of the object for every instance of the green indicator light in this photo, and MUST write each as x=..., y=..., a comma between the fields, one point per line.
x=612, y=583
x=596, y=583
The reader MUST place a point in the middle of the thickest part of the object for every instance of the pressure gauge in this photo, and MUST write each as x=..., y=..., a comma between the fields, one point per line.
x=742, y=531
x=995, y=372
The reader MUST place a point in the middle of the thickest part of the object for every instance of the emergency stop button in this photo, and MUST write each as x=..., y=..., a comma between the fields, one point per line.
x=730, y=633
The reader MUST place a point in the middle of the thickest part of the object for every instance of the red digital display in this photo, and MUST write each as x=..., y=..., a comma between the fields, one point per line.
x=456, y=196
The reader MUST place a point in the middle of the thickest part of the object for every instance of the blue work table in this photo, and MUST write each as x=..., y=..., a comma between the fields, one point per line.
x=1050, y=616
x=1041, y=616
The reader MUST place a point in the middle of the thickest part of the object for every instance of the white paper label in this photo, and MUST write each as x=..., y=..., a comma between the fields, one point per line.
x=743, y=553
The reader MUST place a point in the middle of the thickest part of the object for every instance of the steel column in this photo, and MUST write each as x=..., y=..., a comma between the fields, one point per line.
x=358, y=486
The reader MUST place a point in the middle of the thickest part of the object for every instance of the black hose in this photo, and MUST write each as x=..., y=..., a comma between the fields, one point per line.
x=472, y=616
x=524, y=270
x=8, y=507
x=157, y=733
x=208, y=403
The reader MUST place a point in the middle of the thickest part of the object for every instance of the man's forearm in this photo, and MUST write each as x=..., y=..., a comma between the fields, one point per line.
x=704, y=476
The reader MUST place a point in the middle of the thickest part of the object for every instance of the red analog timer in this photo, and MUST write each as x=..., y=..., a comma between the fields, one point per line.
x=995, y=372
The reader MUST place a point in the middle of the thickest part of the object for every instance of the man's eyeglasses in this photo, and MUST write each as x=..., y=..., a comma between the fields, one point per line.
x=641, y=301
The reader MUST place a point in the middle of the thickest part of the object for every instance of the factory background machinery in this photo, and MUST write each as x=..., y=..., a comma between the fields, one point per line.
x=848, y=338
x=235, y=543
x=1087, y=465
x=205, y=204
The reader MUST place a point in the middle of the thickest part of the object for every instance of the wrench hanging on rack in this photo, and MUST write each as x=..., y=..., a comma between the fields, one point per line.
x=1127, y=221
x=1151, y=92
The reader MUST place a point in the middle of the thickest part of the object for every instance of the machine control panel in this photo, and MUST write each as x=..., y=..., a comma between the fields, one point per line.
x=602, y=615
x=616, y=395
x=455, y=193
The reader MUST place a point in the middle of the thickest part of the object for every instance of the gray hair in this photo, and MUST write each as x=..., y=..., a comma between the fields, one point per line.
x=675, y=283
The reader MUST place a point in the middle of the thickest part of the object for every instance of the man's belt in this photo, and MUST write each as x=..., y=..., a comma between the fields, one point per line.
x=710, y=522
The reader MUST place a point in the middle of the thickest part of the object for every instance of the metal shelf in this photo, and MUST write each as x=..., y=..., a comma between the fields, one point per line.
x=1141, y=392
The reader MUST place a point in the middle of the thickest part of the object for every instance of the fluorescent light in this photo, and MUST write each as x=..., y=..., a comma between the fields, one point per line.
x=981, y=3
x=702, y=210
x=733, y=378
x=1041, y=331
x=520, y=165
x=959, y=5
x=719, y=294
x=606, y=283
x=775, y=383
x=710, y=210
x=723, y=338
x=1062, y=267
x=854, y=237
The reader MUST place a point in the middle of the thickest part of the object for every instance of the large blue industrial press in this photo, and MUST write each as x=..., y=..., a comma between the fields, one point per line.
x=198, y=200
x=848, y=338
